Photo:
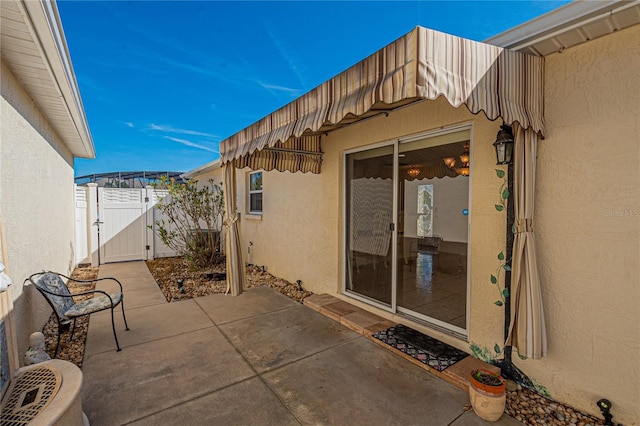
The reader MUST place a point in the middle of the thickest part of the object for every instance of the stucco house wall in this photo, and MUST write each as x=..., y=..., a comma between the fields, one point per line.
x=587, y=222
x=299, y=234
x=43, y=129
x=36, y=202
x=588, y=225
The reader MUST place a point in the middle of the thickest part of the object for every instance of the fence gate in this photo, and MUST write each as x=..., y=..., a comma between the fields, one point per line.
x=118, y=225
x=122, y=220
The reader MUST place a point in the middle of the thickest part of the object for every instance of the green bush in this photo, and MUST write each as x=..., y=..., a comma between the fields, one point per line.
x=192, y=220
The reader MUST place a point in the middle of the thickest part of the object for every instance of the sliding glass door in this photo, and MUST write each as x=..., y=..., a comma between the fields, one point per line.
x=433, y=204
x=369, y=224
x=407, y=229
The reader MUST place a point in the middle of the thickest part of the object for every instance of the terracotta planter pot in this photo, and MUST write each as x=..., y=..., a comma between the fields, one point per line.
x=488, y=401
x=489, y=388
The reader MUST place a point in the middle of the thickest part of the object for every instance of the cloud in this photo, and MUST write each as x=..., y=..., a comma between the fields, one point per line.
x=170, y=129
x=129, y=124
x=288, y=54
x=192, y=144
x=273, y=88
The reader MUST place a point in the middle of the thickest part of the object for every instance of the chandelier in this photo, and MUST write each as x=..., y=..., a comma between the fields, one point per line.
x=413, y=171
x=463, y=170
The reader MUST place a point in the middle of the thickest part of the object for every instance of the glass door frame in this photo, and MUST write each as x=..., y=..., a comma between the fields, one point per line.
x=393, y=307
x=394, y=234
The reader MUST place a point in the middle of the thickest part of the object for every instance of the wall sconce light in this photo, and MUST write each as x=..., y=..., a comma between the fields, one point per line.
x=504, y=145
x=450, y=162
x=413, y=172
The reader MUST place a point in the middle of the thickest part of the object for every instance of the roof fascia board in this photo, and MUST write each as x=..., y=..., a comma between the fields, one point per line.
x=209, y=167
x=46, y=27
x=557, y=21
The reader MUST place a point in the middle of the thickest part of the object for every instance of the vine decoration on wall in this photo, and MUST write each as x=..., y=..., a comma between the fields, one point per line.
x=505, y=264
x=504, y=190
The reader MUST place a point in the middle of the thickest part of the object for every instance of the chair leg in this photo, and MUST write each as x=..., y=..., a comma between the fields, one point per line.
x=73, y=330
x=55, y=353
x=126, y=326
x=115, y=336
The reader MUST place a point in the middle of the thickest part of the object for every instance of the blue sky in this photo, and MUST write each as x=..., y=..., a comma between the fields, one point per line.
x=164, y=82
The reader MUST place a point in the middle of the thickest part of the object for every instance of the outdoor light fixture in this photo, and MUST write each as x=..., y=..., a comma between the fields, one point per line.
x=504, y=145
x=465, y=158
x=605, y=406
x=413, y=172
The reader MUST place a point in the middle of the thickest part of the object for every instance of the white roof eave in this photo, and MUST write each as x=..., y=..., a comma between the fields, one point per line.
x=575, y=23
x=53, y=85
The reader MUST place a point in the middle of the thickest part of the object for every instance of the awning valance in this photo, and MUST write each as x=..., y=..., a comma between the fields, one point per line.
x=297, y=154
x=423, y=64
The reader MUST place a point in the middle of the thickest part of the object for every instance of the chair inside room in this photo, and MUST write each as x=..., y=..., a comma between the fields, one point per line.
x=52, y=286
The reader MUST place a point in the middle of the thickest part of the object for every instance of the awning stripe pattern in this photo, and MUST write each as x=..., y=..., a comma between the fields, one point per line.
x=297, y=154
x=424, y=64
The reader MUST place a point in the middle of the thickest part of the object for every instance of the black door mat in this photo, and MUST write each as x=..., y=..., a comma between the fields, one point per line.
x=427, y=350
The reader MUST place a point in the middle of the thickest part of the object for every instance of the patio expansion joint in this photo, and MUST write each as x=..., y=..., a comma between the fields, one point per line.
x=256, y=373
x=195, y=398
x=124, y=348
x=243, y=318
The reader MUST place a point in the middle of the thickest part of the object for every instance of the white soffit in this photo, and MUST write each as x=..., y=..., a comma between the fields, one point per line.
x=34, y=48
x=570, y=25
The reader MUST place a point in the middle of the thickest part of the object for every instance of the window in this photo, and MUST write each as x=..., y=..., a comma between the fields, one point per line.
x=255, y=192
x=425, y=210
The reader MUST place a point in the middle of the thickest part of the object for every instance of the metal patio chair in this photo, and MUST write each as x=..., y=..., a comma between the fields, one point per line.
x=56, y=292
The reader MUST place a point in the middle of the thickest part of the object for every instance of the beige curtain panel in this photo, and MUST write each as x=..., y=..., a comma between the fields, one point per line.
x=235, y=263
x=423, y=64
x=527, y=330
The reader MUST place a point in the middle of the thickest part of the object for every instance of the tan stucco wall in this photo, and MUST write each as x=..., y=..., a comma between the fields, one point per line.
x=36, y=202
x=588, y=225
x=299, y=235
x=587, y=222
x=215, y=175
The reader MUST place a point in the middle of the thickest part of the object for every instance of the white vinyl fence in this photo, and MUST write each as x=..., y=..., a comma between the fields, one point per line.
x=117, y=224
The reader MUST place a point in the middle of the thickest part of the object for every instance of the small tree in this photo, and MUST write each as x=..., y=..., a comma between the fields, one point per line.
x=192, y=219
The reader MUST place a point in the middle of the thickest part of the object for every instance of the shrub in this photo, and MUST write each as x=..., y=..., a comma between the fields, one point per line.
x=191, y=219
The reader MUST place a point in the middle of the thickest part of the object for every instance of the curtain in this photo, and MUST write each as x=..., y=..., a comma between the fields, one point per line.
x=235, y=263
x=527, y=330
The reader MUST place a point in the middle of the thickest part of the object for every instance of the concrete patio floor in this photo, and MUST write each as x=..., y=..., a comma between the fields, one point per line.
x=257, y=359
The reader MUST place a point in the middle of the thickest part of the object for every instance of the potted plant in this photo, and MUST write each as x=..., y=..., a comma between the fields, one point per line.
x=487, y=391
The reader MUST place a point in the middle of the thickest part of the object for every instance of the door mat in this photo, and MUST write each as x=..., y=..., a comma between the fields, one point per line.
x=429, y=351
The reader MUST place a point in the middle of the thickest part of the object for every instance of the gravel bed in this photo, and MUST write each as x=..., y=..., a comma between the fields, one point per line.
x=531, y=408
x=211, y=280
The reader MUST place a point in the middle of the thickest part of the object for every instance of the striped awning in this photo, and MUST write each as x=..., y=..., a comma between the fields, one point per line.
x=423, y=64
x=296, y=154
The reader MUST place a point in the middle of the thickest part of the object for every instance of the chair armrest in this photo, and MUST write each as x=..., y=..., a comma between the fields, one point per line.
x=71, y=295
x=92, y=281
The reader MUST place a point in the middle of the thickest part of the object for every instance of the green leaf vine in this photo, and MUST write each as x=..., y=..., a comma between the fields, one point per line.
x=504, y=263
x=485, y=354
x=504, y=191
